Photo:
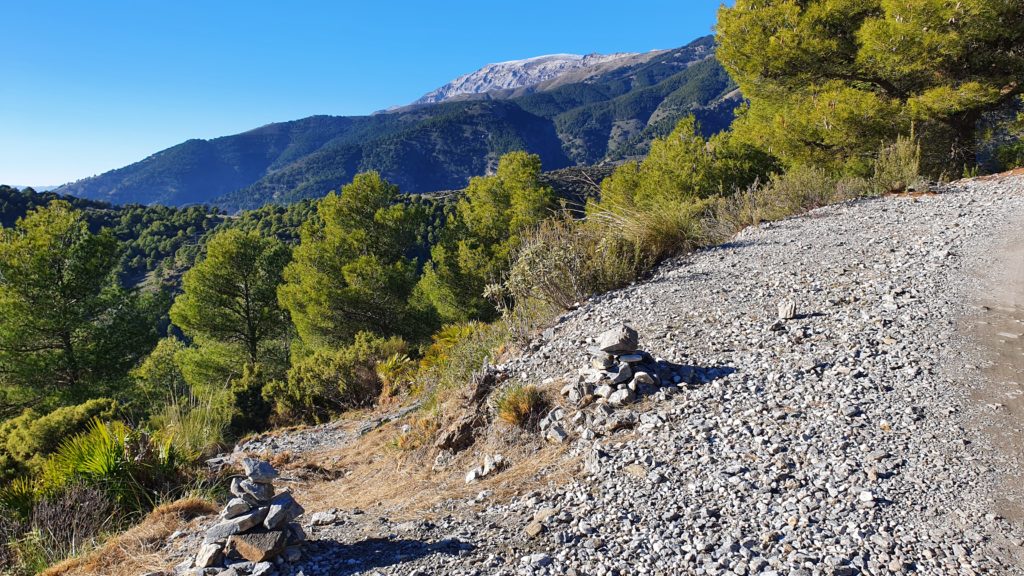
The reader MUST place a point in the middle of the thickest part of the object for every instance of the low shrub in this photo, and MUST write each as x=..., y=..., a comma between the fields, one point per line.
x=72, y=520
x=125, y=464
x=396, y=373
x=27, y=440
x=520, y=405
x=898, y=167
x=328, y=382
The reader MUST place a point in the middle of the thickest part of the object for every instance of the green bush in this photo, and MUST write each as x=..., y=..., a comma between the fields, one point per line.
x=27, y=440
x=328, y=382
x=1010, y=156
x=898, y=167
x=126, y=464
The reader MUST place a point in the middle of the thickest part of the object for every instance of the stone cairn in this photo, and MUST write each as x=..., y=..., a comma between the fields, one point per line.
x=256, y=526
x=618, y=375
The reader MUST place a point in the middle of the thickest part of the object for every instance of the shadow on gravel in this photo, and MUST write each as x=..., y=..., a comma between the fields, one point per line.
x=340, y=559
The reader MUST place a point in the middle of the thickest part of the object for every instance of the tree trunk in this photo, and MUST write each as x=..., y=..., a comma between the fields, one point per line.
x=963, y=148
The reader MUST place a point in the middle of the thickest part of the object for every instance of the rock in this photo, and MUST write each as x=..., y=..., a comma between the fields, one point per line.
x=283, y=509
x=544, y=514
x=619, y=340
x=631, y=358
x=459, y=435
x=259, y=471
x=237, y=525
x=262, y=569
x=534, y=529
x=604, y=391
x=787, y=310
x=209, y=555
x=623, y=375
x=621, y=397
x=493, y=463
x=474, y=474
x=323, y=518
x=257, y=490
x=235, y=507
x=643, y=378
x=259, y=546
x=556, y=434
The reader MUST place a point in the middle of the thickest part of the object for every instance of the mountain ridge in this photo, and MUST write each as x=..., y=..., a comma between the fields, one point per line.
x=586, y=116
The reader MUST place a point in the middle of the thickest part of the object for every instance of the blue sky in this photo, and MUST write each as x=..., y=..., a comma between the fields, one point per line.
x=86, y=87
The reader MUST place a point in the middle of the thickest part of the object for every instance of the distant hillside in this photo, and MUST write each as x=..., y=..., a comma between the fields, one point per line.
x=585, y=116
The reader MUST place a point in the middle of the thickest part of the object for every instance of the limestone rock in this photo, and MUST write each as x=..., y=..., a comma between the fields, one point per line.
x=209, y=555
x=787, y=310
x=259, y=471
x=619, y=340
x=259, y=546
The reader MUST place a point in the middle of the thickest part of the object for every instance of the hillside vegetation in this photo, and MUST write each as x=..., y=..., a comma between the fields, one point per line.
x=297, y=315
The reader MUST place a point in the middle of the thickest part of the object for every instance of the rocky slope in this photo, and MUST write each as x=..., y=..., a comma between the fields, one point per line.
x=853, y=436
x=525, y=73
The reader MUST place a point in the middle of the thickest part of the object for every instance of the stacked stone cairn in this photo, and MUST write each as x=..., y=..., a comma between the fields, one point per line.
x=619, y=374
x=256, y=527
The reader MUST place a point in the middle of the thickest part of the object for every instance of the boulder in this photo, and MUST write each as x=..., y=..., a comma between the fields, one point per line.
x=619, y=340
x=259, y=546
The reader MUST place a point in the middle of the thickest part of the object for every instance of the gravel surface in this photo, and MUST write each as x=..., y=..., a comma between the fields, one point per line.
x=847, y=440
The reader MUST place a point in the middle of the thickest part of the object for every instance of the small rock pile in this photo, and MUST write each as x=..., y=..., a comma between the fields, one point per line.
x=620, y=372
x=256, y=527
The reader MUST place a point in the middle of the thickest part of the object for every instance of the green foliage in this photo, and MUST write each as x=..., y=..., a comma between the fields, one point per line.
x=195, y=419
x=898, y=167
x=27, y=440
x=67, y=328
x=565, y=262
x=329, y=381
x=485, y=230
x=352, y=271
x=652, y=210
x=125, y=464
x=829, y=81
x=456, y=352
x=230, y=296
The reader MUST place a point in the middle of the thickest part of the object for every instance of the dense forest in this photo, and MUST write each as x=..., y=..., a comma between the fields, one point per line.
x=296, y=314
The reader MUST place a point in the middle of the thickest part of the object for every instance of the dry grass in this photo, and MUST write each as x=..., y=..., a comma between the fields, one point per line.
x=138, y=550
x=520, y=405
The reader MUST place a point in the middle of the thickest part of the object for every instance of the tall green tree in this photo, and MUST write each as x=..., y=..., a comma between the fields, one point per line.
x=829, y=81
x=231, y=295
x=352, y=270
x=68, y=330
x=480, y=238
x=229, y=310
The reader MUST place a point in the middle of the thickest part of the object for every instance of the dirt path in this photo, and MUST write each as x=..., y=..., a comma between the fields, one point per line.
x=998, y=332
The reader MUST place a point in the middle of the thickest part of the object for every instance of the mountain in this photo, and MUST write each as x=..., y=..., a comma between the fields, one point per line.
x=594, y=109
x=521, y=74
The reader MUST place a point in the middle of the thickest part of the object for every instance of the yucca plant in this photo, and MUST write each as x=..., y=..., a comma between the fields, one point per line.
x=395, y=372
